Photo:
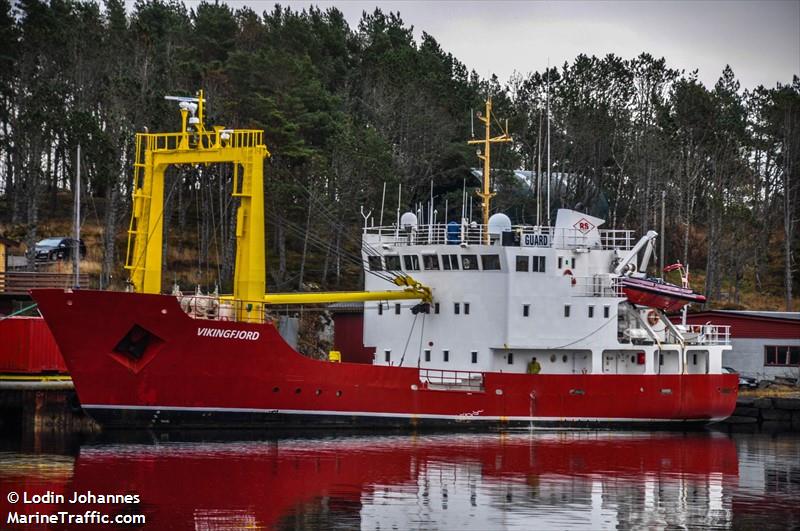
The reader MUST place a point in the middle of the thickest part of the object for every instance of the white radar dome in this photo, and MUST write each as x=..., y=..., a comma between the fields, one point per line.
x=409, y=219
x=499, y=223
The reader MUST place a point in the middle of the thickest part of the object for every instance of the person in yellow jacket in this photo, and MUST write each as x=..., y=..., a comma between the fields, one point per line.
x=534, y=367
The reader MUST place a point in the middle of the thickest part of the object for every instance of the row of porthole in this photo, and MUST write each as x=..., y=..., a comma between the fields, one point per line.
x=298, y=390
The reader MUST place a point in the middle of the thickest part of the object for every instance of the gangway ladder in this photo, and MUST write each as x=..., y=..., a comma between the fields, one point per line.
x=140, y=202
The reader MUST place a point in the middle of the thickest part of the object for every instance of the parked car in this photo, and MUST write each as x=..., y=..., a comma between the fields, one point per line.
x=744, y=381
x=52, y=249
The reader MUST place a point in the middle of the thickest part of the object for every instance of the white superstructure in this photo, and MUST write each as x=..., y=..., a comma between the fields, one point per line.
x=549, y=293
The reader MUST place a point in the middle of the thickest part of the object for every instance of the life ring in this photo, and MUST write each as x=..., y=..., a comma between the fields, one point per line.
x=652, y=317
x=572, y=277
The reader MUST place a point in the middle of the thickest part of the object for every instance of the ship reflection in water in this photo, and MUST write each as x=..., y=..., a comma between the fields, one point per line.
x=553, y=480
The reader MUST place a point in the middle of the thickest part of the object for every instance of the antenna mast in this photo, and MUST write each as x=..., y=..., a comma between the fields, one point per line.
x=549, y=184
x=486, y=193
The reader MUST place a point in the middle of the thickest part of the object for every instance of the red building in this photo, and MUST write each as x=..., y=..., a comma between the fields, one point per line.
x=765, y=344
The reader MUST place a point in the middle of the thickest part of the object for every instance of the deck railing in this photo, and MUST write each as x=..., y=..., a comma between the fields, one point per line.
x=474, y=234
x=216, y=308
x=596, y=286
x=707, y=334
x=452, y=380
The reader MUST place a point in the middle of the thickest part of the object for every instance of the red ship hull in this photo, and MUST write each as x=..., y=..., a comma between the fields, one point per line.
x=666, y=297
x=247, y=376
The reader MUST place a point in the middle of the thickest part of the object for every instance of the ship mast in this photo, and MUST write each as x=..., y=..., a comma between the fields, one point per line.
x=486, y=193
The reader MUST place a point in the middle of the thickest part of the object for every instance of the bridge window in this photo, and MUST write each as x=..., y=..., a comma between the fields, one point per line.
x=522, y=263
x=450, y=261
x=787, y=356
x=538, y=264
x=375, y=263
x=591, y=312
x=491, y=262
x=474, y=356
x=566, y=310
x=430, y=262
x=392, y=262
x=411, y=262
x=469, y=262
x=526, y=310
x=445, y=355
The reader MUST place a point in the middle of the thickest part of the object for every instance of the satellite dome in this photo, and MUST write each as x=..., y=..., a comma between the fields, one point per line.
x=499, y=223
x=409, y=219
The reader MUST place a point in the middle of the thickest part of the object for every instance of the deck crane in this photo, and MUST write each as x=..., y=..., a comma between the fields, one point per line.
x=245, y=149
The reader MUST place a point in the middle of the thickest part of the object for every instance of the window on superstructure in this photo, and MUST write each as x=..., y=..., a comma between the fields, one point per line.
x=606, y=311
x=375, y=263
x=427, y=355
x=430, y=262
x=511, y=358
x=456, y=308
x=397, y=308
x=491, y=262
x=411, y=262
x=466, y=308
x=436, y=307
x=560, y=260
x=387, y=354
x=541, y=264
x=526, y=310
x=566, y=310
x=474, y=356
x=392, y=262
x=523, y=263
x=469, y=262
x=573, y=262
x=380, y=308
x=445, y=355
x=450, y=261
x=591, y=312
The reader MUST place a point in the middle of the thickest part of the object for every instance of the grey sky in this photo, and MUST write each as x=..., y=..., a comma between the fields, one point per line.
x=759, y=39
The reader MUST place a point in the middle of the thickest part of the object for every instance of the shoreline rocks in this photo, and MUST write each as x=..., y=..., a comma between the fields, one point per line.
x=766, y=413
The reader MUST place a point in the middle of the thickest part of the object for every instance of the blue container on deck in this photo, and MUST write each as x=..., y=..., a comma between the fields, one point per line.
x=453, y=233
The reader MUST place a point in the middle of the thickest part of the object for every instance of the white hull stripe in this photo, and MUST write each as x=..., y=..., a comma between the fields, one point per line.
x=462, y=417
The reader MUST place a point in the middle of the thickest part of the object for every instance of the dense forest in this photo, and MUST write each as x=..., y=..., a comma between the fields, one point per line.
x=346, y=110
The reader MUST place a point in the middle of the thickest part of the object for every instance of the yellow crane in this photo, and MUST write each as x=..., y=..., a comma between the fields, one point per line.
x=245, y=149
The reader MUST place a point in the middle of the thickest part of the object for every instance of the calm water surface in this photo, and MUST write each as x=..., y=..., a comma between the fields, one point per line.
x=520, y=480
